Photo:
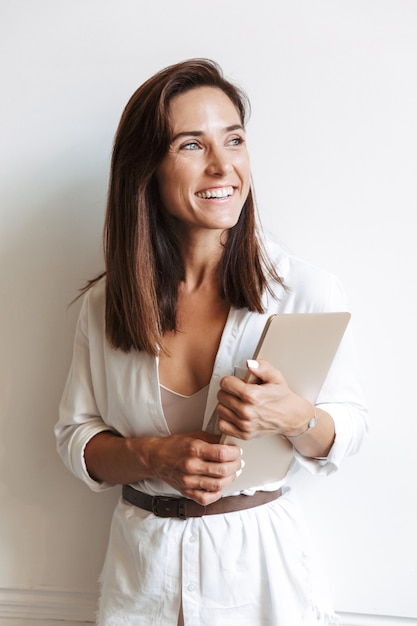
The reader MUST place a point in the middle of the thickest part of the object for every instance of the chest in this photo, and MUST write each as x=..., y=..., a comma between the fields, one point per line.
x=127, y=385
x=187, y=363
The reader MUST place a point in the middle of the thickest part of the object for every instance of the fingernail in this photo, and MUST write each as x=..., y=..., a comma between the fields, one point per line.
x=241, y=451
x=242, y=465
x=251, y=363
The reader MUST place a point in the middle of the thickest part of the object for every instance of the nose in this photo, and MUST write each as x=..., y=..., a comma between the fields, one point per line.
x=219, y=162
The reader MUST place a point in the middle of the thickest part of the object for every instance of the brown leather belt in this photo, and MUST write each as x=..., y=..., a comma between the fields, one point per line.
x=163, y=506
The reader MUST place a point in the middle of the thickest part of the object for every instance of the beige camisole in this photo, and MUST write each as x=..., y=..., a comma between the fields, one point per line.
x=184, y=414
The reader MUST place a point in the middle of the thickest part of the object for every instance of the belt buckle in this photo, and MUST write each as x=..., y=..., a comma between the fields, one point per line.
x=159, y=506
x=162, y=507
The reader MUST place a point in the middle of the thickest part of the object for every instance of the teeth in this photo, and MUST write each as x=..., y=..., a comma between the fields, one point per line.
x=215, y=193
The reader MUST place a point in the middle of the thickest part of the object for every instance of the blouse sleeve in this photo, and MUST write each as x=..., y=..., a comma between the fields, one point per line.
x=79, y=418
x=341, y=396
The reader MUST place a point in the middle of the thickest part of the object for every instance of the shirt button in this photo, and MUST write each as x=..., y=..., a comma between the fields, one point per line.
x=191, y=587
x=193, y=539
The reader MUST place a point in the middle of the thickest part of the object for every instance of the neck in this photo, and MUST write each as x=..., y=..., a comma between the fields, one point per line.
x=201, y=253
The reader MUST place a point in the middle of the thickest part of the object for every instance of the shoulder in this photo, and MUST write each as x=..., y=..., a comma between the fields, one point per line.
x=96, y=295
x=93, y=306
x=308, y=287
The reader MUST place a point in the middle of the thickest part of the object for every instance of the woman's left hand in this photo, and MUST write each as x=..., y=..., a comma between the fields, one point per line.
x=247, y=410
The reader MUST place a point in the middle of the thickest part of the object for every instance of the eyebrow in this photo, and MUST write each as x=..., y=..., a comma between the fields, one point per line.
x=199, y=133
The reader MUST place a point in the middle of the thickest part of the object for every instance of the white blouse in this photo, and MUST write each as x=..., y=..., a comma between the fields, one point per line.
x=248, y=567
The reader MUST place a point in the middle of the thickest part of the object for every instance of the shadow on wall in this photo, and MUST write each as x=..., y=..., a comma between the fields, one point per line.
x=53, y=227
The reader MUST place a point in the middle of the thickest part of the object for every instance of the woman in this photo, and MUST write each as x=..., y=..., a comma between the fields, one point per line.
x=189, y=283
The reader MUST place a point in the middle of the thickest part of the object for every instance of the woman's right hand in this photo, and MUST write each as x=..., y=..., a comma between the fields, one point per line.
x=195, y=464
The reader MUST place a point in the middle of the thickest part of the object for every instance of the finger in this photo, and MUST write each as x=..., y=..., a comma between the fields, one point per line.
x=233, y=430
x=232, y=385
x=222, y=471
x=229, y=401
x=208, y=471
x=244, y=408
x=205, y=489
x=201, y=496
x=241, y=419
x=210, y=483
x=264, y=371
x=221, y=453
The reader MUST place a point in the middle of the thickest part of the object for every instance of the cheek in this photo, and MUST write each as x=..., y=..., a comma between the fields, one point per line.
x=175, y=178
x=243, y=166
x=173, y=191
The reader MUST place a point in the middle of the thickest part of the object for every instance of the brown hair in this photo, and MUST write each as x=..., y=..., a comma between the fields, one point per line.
x=143, y=261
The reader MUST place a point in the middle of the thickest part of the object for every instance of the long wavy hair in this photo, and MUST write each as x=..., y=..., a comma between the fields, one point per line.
x=142, y=258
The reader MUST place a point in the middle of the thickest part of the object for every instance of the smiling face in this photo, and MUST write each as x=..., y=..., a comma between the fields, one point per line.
x=204, y=178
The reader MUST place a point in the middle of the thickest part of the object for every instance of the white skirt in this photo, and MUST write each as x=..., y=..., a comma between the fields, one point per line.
x=246, y=568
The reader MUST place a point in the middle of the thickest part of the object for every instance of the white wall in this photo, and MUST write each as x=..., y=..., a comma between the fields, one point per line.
x=333, y=136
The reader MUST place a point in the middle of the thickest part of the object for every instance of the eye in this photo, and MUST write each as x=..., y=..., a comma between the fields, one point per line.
x=236, y=141
x=191, y=145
